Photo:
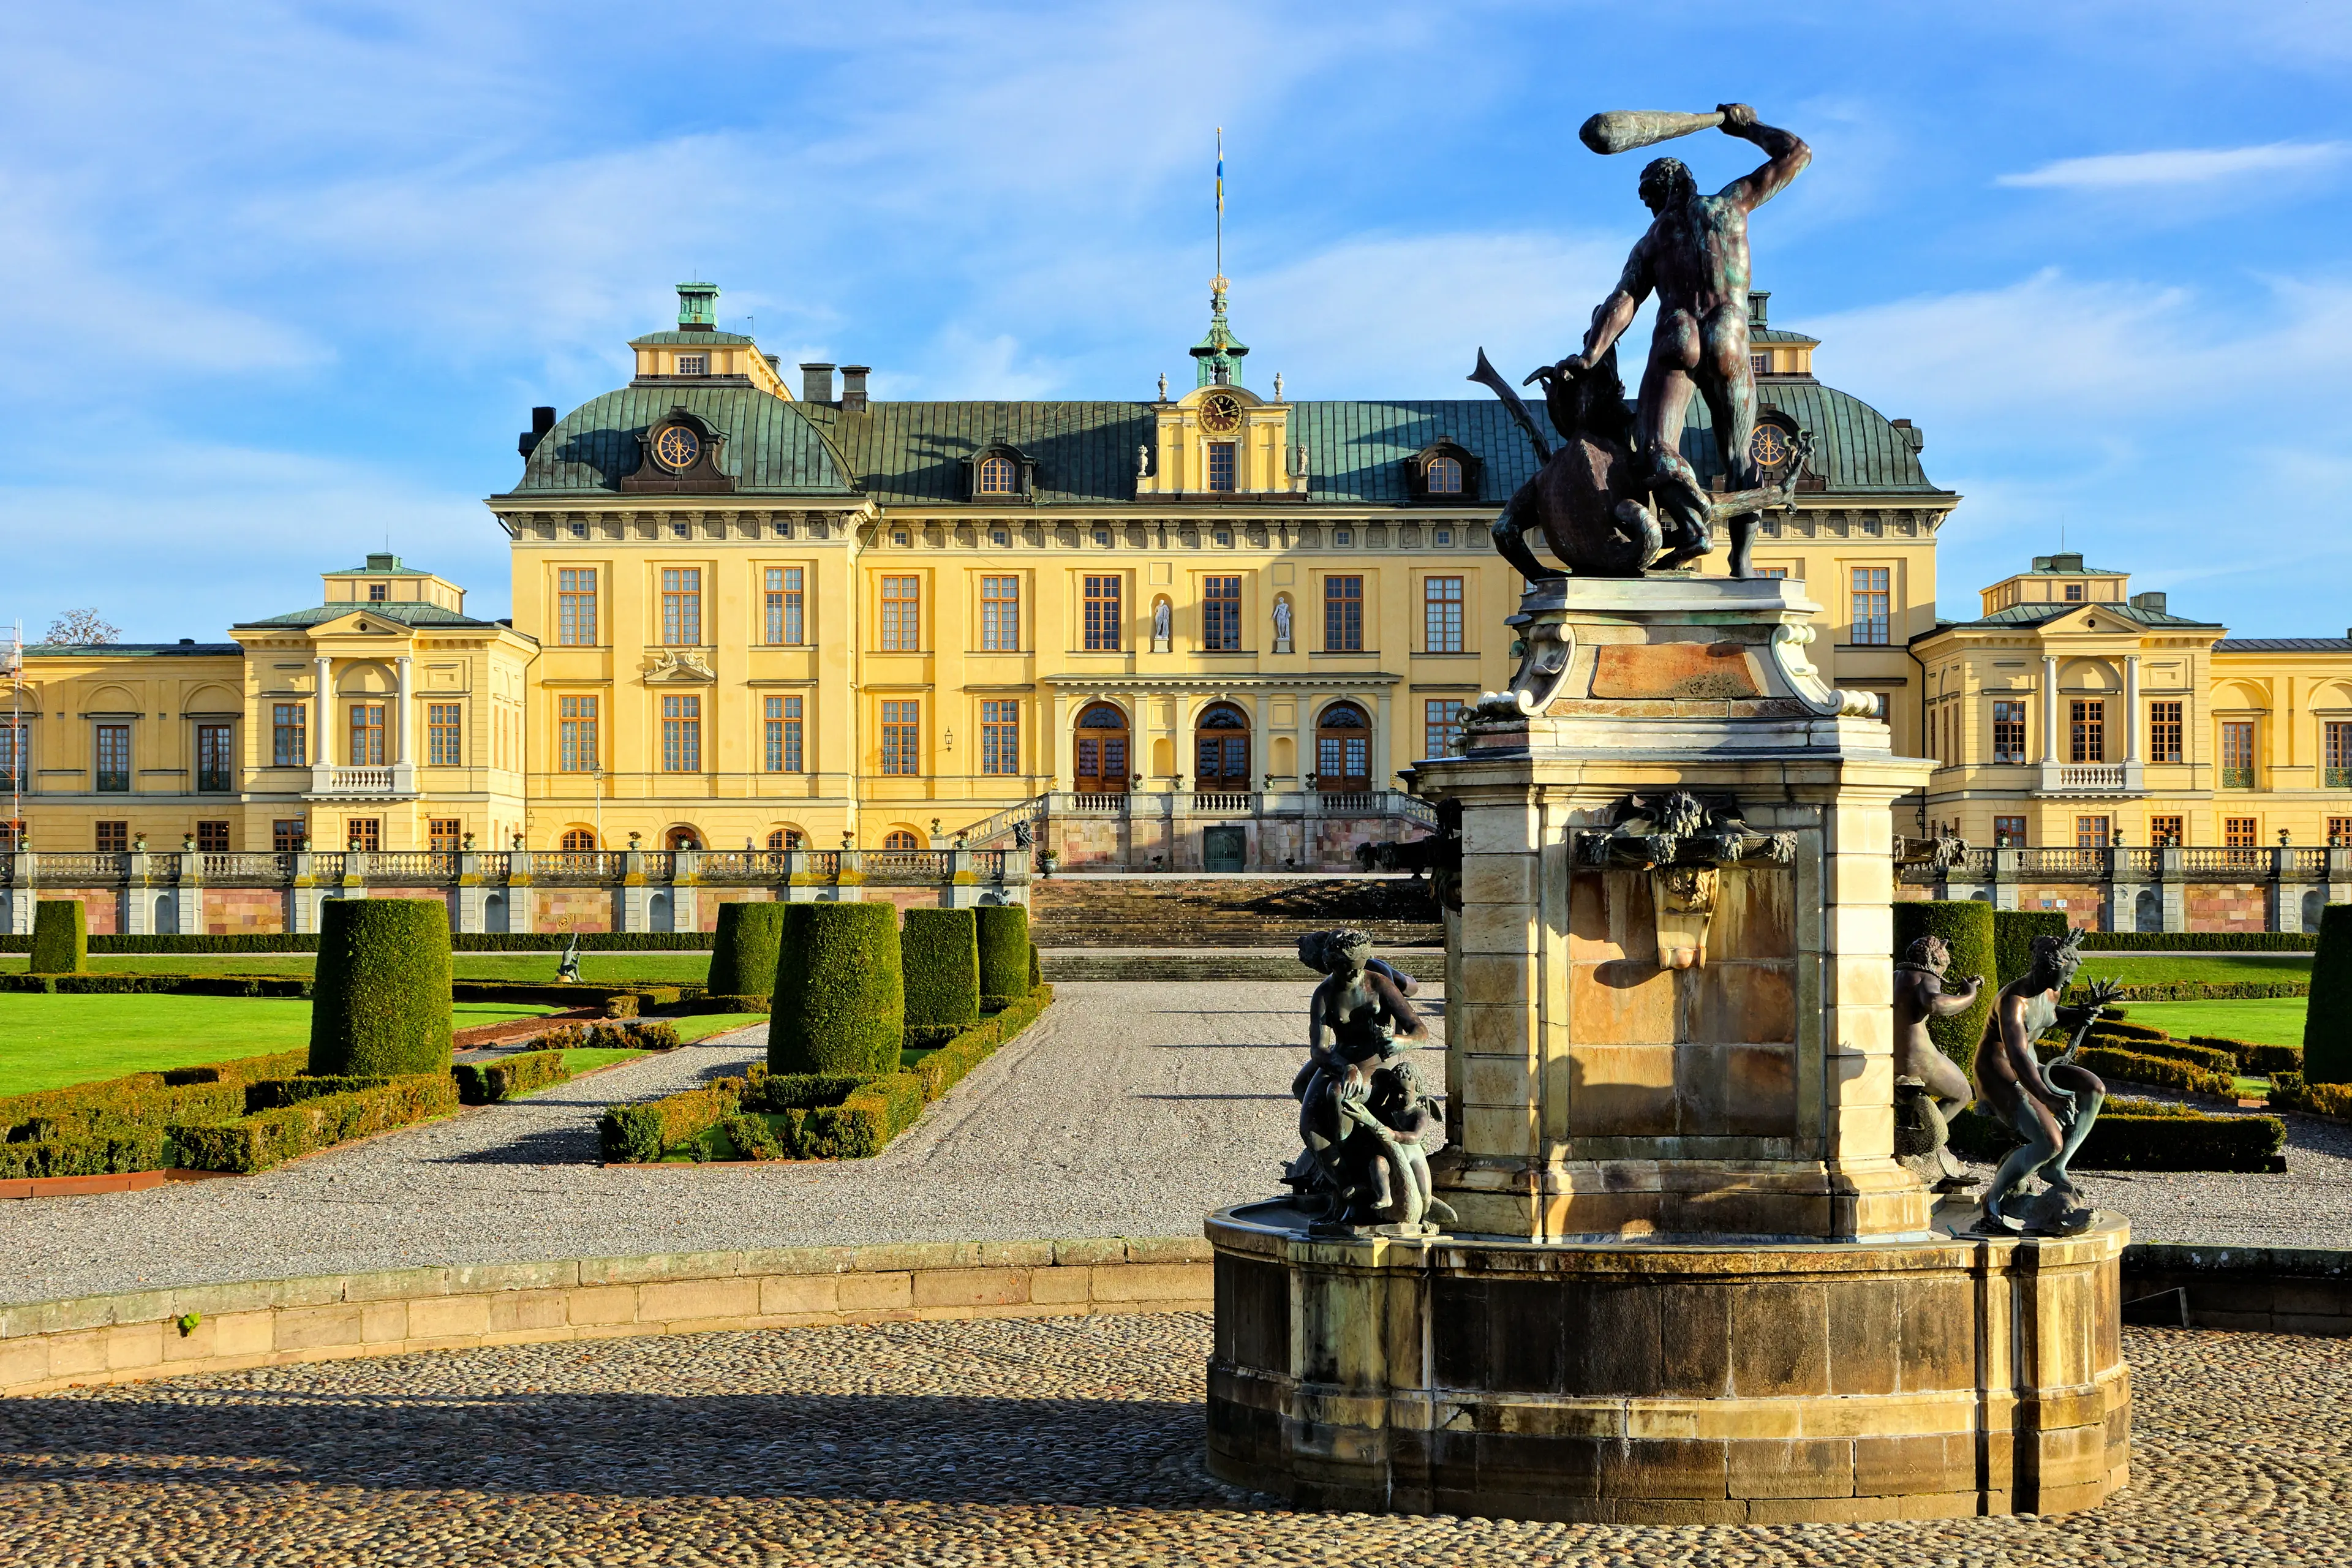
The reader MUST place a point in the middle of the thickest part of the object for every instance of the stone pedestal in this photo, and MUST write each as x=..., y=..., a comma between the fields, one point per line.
x=1689, y=1281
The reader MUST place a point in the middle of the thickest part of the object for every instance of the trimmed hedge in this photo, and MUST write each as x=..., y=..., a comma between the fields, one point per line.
x=509, y=1078
x=272, y=1137
x=282, y=986
x=2156, y=1072
x=61, y=943
x=380, y=1000
x=840, y=997
x=1004, y=976
x=618, y=1001
x=2145, y=1135
x=1036, y=968
x=621, y=1034
x=2201, y=991
x=638, y=1134
x=2205, y=1058
x=754, y=1138
x=709, y=1002
x=743, y=950
x=1967, y=926
x=2198, y=941
x=940, y=958
x=2013, y=932
x=2293, y=1091
x=459, y=941
x=2257, y=1060
x=2327, y=1027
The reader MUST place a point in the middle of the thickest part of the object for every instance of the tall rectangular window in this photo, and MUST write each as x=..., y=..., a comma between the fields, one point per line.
x=2339, y=832
x=364, y=833
x=1220, y=612
x=2238, y=754
x=16, y=770
x=1343, y=614
x=2164, y=731
x=2008, y=731
x=681, y=734
x=1221, y=466
x=999, y=737
x=287, y=836
x=576, y=607
x=2336, y=755
x=1103, y=616
x=114, y=758
x=785, y=604
x=444, y=834
x=1440, y=614
x=2241, y=833
x=441, y=735
x=901, y=738
x=902, y=615
x=576, y=734
x=1872, y=616
x=113, y=837
x=215, y=765
x=367, y=736
x=1442, y=727
x=2009, y=833
x=2087, y=731
x=2163, y=830
x=289, y=725
x=1000, y=615
x=783, y=736
x=682, y=607
x=2091, y=832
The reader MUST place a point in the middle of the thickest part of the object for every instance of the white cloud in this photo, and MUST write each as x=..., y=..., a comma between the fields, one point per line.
x=2178, y=166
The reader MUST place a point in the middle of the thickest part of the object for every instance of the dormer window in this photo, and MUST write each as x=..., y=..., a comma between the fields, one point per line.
x=1443, y=473
x=2073, y=592
x=997, y=476
x=694, y=365
x=379, y=592
x=999, y=471
x=1444, y=476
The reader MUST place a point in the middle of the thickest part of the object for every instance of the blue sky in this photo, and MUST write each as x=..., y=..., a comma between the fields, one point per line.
x=281, y=283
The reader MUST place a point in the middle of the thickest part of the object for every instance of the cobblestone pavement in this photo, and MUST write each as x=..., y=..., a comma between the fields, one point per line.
x=1040, y=1441
x=1127, y=1110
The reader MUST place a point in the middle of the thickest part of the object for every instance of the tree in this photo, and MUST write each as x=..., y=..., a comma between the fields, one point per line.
x=82, y=625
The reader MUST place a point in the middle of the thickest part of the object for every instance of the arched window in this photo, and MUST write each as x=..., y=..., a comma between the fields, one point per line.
x=1444, y=475
x=1220, y=749
x=684, y=839
x=900, y=838
x=579, y=838
x=996, y=477
x=1102, y=750
x=1343, y=749
x=784, y=838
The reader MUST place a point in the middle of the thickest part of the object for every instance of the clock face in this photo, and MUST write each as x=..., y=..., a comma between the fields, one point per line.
x=1221, y=411
x=1770, y=447
x=677, y=446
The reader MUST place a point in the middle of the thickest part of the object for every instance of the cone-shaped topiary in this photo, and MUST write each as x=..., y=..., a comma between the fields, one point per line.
x=2327, y=1024
x=1003, y=953
x=60, y=937
x=380, y=1003
x=1966, y=925
x=2013, y=932
x=743, y=950
x=839, y=1004
x=940, y=950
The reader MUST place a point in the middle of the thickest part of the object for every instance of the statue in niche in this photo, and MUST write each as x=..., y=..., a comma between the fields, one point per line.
x=1281, y=622
x=2050, y=1109
x=1367, y=1123
x=1143, y=462
x=1929, y=1088
x=1163, y=631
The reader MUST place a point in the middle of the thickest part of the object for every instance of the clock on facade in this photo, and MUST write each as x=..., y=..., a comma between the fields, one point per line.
x=1221, y=413
x=676, y=448
x=1770, y=447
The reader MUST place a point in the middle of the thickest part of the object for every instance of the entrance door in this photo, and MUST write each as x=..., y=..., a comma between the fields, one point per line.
x=1343, y=749
x=1102, y=750
x=1221, y=758
x=1224, y=848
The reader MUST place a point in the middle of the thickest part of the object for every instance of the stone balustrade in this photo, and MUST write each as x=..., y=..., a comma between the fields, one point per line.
x=2169, y=888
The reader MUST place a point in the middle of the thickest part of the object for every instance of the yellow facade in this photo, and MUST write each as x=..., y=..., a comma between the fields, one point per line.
x=2075, y=713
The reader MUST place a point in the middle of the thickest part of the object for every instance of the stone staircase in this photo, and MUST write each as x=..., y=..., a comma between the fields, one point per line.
x=1180, y=915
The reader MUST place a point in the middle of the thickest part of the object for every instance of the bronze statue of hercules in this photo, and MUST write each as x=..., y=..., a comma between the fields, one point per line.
x=1695, y=259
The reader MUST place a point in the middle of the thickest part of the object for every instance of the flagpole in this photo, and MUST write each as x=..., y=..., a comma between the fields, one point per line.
x=1221, y=201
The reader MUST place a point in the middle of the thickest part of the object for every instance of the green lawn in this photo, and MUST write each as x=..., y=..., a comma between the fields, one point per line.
x=2271, y=1021
x=2204, y=968
x=602, y=967
x=702, y=1025
x=47, y=1042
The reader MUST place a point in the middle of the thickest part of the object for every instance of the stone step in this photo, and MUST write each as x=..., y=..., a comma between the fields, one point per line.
x=1425, y=964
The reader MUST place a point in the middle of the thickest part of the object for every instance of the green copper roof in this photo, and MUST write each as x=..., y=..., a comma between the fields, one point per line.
x=408, y=613
x=379, y=566
x=1219, y=354
x=2037, y=615
x=772, y=448
x=907, y=453
x=131, y=649
x=687, y=339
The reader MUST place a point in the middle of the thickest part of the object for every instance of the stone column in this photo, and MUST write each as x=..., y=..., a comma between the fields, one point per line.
x=400, y=757
x=2050, y=759
x=322, y=758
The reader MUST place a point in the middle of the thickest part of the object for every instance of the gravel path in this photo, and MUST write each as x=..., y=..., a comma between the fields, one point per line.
x=1129, y=1109
x=1045, y=1441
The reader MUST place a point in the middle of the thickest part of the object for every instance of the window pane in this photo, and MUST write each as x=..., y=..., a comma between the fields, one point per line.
x=999, y=737
x=1221, y=464
x=577, y=748
x=2008, y=731
x=288, y=725
x=114, y=758
x=682, y=734
x=1442, y=727
x=1343, y=614
x=2091, y=832
x=1220, y=612
x=213, y=766
x=1103, y=614
x=576, y=607
x=16, y=771
x=681, y=606
x=441, y=733
x=2238, y=754
x=902, y=628
x=1871, y=617
x=1000, y=615
x=2088, y=733
x=2164, y=830
x=1441, y=613
x=2008, y=832
x=2164, y=731
x=366, y=736
x=900, y=744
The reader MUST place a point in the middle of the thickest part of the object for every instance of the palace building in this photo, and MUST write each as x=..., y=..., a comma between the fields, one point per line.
x=1204, y=629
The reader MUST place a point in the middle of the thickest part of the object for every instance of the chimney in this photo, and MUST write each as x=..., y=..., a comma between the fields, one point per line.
x=384, y=563
x=2151, y=600
x=1756, y=300
x=853, y=388
x=542, y=420
x=816, y=382
x=188, y=642
x=2066, y=563
x=776, y=364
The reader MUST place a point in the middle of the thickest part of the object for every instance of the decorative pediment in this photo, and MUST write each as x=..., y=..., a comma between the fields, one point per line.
x=680, y=666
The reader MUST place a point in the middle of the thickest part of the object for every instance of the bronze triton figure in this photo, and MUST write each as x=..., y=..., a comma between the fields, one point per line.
x=2050, y=1109
x=1695, y=259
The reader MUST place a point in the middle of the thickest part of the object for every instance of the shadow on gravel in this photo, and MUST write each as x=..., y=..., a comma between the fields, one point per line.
x=1074, y=1452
